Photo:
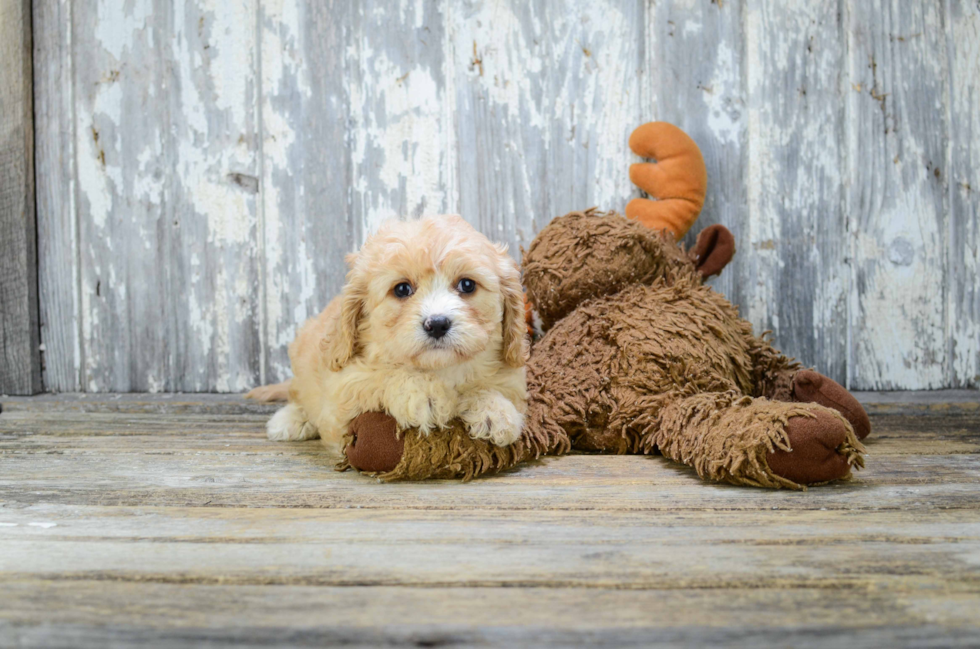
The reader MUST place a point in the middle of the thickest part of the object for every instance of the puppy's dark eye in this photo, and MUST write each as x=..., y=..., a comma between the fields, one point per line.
x=403, y=290
x=466, y=285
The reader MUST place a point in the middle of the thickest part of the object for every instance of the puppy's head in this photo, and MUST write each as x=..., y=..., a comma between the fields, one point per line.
x=430, y=293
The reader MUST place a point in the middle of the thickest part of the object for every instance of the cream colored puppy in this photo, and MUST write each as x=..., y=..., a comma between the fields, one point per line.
x=429, y=326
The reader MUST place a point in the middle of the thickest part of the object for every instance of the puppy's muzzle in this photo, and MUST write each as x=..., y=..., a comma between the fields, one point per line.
x=437, y=326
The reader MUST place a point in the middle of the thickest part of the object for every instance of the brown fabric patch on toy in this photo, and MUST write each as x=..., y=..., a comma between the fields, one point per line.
x=815, y=449
x=811, y=386
x=373, y=443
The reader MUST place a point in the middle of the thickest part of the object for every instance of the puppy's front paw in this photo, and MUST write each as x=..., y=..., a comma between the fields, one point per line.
x=289, y=424
x=491, y=416
x=426, y=408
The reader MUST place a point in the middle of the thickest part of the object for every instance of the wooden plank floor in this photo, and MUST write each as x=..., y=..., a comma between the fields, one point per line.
x=136, y=520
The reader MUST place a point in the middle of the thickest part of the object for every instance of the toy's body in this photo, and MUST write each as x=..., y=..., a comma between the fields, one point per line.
x=640, y=356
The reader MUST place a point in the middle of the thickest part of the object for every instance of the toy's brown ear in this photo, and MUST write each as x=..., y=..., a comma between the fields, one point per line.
x=715, y=247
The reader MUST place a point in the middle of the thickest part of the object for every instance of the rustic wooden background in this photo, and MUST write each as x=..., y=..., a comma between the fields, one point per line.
x=203, y=166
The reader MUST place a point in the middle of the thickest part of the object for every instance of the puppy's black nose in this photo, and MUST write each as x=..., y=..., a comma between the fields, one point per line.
x=437, y=326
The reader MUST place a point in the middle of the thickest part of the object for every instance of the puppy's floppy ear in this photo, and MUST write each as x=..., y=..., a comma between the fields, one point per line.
x=341, y=344
x=514, y=324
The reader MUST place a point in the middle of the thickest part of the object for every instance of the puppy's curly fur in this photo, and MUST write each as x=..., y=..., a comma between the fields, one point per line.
x=373, y=347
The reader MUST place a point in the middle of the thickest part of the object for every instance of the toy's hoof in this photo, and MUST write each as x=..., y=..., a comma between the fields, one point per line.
x=814, y=456
x=813, y=387
x=375, y=447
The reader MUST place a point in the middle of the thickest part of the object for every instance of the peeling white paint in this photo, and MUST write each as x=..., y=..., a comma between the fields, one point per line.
x=231, y=26
x=117, y=22
x=724, y=117
x=398, y=141
x=504, y=62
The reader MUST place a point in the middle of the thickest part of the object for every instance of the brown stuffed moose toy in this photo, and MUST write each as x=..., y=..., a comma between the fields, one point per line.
x=639, y=356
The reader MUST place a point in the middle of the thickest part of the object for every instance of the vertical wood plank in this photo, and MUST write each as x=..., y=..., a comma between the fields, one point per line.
x=20, y=362
x=896, y=140
x=213, y=243
x=306, y=178
x=401, y=137
x=694, y=72
x=963, y=278
x=546, y=95
x=796, y=278
x=124, y=172
x=57, y=226
x=167, y=178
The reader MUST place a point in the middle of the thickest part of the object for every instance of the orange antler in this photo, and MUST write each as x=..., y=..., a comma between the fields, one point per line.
x=678, y=178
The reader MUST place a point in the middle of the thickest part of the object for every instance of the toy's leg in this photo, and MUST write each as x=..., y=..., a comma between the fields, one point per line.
x=742, y=440
x=807, y=386
x=780, y=378
x=376, y=446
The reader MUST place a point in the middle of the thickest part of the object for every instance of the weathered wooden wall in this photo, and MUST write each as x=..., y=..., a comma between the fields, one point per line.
x=203, y=166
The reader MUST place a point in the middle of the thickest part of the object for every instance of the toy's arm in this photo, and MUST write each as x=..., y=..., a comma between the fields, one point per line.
x=376, y=446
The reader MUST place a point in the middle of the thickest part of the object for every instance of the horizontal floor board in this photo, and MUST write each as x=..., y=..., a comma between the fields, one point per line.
x=77, y=614
x=953, y=439
x=914, y=483
x=901, y=402
x=138, y=402
x=956, y=431
x=262, y=525
x=885, y=550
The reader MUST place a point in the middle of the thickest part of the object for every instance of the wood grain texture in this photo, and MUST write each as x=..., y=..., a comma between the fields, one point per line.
x=165, y=521
x=20, y=353
x=57, y=224
x=897, y=135
x=963, y=287
x=796, y=230
x=152, y=614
